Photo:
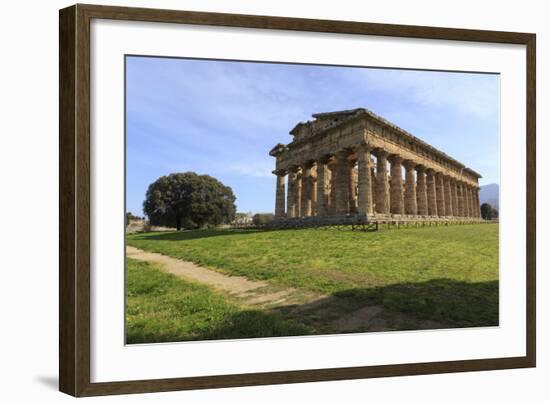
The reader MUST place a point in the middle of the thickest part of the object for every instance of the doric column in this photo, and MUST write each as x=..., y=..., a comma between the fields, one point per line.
x=322, y=196
x=382, y=187
x=478, y=206
x=475, y=201
x=421, y=191
x=440, y=194
x=332, y=186
x=306, y=189
x=432, y=197
x=341, y=186
x=373, y=185
x=470, y=201
x=460, y=195
x=475, y=205
x=291, y=194
x=352, y=188
x=396, y=197
x=454, y=196
x=314, y=191
x=298, y=196
x=411, y=206
x=467, y=201
x=280, y=194
x=364, y=187
x=448, y=196
x=473, y=196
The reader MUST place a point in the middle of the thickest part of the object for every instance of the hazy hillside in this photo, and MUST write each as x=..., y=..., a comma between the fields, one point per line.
x=489, y=194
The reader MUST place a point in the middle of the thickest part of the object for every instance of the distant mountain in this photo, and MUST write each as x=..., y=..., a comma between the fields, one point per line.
x=489, y=194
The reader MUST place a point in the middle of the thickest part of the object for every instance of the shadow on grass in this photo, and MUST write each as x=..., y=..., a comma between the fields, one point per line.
x=194, y=234
x=451, y=302
x=440, y=303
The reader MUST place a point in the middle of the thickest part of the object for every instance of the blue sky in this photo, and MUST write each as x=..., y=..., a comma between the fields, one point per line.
x=222, y=117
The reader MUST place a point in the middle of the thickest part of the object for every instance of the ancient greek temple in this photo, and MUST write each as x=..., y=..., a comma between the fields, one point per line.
x=355, y=163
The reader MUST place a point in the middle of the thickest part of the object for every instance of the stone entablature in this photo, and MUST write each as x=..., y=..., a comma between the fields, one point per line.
x=331, y=170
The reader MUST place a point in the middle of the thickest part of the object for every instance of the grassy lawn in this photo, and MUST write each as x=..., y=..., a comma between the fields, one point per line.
x=447, y=274
x=161, y=307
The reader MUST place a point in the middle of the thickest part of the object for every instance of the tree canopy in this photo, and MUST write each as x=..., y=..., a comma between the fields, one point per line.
x=130, y=216
x=189, y=200
x=262, y=218
x=488, y=212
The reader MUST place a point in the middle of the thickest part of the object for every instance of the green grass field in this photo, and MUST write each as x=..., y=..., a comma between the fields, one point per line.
x=161, y=307
x=447, y=274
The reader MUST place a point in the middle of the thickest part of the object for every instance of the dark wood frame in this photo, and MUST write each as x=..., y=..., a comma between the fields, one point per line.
x=74, y=199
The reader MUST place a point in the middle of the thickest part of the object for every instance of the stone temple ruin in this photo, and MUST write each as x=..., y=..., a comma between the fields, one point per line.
x=337, y=169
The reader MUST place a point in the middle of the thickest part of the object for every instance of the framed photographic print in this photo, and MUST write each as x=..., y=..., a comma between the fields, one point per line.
x=250, y=200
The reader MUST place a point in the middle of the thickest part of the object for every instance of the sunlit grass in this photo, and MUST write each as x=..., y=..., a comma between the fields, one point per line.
x=447, y=274
x=332, y=260
x=161, y=307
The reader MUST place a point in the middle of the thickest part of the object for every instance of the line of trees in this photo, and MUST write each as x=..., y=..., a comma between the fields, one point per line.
x=260, y=219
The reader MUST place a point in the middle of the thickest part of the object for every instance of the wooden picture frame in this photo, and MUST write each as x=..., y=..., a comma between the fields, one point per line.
x=74, y=203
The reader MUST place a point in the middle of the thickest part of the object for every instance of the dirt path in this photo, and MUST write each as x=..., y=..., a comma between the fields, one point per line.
x=249, y=292
x=330, y=312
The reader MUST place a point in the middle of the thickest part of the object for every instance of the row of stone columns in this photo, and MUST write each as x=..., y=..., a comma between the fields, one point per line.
x=426, y=193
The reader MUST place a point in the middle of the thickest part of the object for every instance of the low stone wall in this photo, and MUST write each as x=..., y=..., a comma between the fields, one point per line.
x=361, y=219
x=140, y=226
x=430, y=223
x=318, y=221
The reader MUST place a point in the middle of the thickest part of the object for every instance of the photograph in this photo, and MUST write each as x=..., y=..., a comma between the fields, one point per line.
x=258, y=199
x=271, y=199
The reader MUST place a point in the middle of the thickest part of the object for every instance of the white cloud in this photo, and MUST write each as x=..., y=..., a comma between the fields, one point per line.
x=473, y=94
x=256, y=169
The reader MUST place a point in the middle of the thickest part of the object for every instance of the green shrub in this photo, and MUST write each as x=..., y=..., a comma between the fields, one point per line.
x=260, y=219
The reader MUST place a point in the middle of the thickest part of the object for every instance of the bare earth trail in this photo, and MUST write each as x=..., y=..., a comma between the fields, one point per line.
x=329, y=312
x=248, y=292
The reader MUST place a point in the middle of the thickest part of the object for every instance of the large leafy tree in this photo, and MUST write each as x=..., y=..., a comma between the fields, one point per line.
x=189, y=200
x=488, y=212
